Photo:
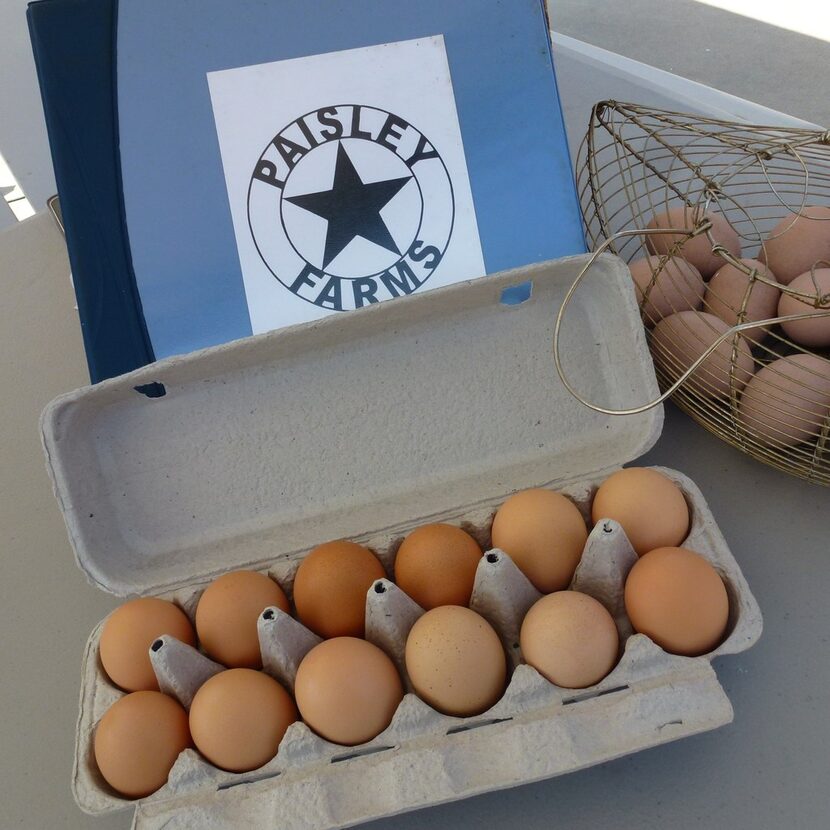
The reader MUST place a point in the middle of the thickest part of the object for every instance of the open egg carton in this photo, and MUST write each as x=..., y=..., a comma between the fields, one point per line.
x=434, y=408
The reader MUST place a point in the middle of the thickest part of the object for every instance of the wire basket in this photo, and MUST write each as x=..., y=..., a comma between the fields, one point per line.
x=746, y=353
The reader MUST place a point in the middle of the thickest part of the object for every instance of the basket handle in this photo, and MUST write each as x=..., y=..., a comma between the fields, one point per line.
x=736, y=329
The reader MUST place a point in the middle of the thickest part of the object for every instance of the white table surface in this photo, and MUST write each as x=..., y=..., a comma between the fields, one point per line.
x=766, y=771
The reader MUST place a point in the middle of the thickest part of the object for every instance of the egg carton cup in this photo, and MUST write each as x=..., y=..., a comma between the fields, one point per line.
x=536, y=730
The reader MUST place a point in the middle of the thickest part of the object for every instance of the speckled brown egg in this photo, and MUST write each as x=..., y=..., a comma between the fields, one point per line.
x=455, y=661
x=698, y=249
x=436, y=565
x=682, y=338
x=797, y=243
x=729, y=292
x=127, y=635
x=570, y=638
x=238, y=718
x=788, y=401
x=544, y=534
x=330, y=588
x=811, y=331
x=347, y=690
x=227, y=613
x=138, y=740
x=650, y=507
x=664, y=286
x=675, y=596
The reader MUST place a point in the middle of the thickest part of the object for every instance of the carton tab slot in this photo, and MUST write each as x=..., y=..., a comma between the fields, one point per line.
x=249, y=779
x=360, y=753
x=467, y=727
x=591, y=695
x=151, y=390
x=517, y=294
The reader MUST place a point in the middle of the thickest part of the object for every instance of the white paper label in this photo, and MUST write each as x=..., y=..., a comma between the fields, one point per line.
x=346, y=178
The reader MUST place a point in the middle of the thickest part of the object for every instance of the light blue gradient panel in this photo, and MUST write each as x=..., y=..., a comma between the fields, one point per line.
x=178, y=217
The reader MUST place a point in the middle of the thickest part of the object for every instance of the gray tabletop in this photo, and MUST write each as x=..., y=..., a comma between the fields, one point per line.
x=767, y=770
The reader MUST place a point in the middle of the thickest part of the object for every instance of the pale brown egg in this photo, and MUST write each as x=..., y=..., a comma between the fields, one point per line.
x=729, y=291
x=436, y=565
x=787, y=401
x=238, y=718
x=650, y=507
x=138, y=740
x=682, y=338
x=811, y=331
x=544, y=534
x=698, y=249
x=797, y=243
x=455, y=661
x=668, y=285
x=127, y=635
x=330, y=588
x=675, y=596
x=570, y=639
x=347, y=690
x=227, y=613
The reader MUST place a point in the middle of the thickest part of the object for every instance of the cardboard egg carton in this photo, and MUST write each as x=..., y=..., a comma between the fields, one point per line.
x=502, y=594
x=433, y=408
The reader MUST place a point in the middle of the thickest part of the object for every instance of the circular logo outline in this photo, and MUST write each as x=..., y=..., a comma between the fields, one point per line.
x=338, y=107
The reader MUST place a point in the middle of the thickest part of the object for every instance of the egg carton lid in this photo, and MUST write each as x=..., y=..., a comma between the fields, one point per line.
x=238, y=454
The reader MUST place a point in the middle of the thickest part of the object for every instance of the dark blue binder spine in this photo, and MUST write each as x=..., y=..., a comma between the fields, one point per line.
x=74, y=50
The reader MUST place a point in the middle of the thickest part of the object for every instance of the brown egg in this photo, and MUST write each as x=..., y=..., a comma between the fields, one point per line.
x=227, y=613
x=347, y=690
x=330, y=588
x=570, y=639
x=455, y=661
x=436, y=565
x=682, y=338
x=127, y=635
x=787, y=401
x=677, y=286
x=678, y=599
x=797, y=243
x=812, y=331
x=698, y=250
x=650, y=507
x=138, y=740
x=544, y=534
x=238, y=718
x=727, y=289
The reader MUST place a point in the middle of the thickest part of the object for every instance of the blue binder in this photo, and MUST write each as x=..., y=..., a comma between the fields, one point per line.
x=73, y=44
x=130, y=96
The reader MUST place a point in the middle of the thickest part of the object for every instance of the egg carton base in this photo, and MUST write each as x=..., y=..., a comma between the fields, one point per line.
x=531, y=746
x=643, y=670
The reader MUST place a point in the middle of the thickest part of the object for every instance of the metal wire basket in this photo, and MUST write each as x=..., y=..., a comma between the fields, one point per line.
x=732, y=352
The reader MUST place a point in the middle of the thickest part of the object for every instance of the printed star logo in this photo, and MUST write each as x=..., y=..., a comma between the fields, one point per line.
x=352, y=208
x=350, y=205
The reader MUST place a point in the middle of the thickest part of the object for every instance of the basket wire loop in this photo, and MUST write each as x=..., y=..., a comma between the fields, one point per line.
x=734, y=330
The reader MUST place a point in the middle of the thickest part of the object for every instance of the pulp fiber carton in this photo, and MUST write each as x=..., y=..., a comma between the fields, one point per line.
x=434, y=407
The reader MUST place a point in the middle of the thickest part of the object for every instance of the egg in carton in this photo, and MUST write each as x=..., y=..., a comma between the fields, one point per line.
x=243, y=458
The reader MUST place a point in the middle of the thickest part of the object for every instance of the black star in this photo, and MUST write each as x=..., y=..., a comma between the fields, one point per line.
x=351, y=207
